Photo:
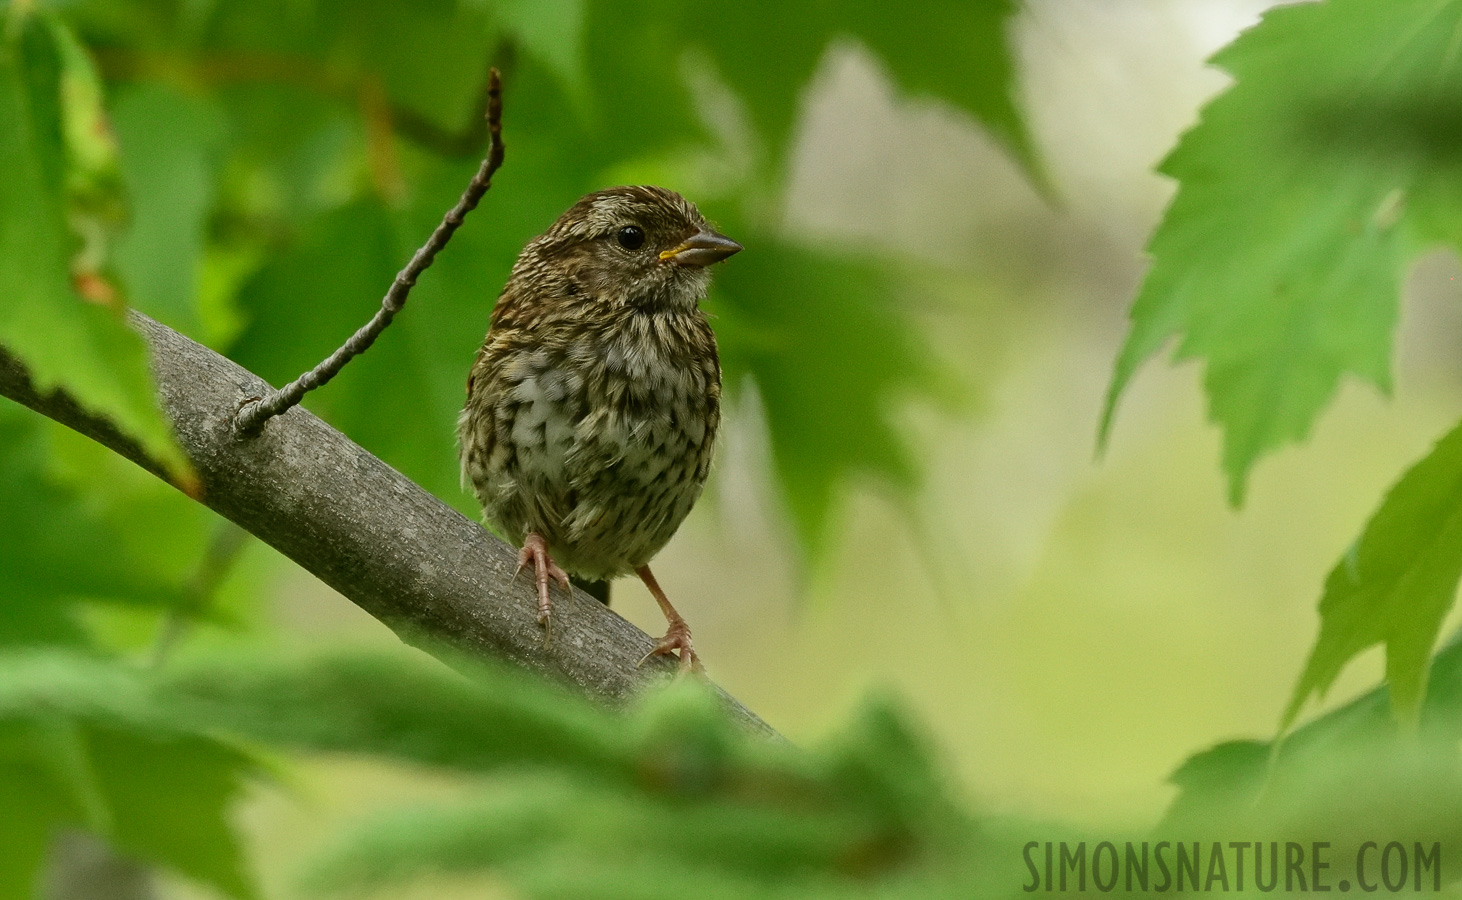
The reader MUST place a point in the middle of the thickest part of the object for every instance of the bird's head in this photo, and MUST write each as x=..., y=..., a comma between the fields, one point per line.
x=643, y=246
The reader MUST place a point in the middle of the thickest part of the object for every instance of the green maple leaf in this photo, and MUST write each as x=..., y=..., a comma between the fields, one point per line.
x=1396, y=585
x=1305, y=191
x=67, y=342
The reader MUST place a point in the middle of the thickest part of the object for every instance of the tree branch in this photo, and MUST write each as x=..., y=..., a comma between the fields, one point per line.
x=254, y=413
x=427, y=572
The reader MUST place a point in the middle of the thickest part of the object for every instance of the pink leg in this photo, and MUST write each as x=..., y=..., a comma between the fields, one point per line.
x=535, y=548
x=677, y=637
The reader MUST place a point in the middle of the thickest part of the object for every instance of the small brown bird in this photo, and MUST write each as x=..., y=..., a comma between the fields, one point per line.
x=593, y=404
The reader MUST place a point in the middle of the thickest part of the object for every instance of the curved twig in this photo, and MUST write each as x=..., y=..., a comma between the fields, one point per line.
x=256, y=411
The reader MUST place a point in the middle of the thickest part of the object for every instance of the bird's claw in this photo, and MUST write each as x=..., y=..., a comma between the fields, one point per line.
x=677, y=641
x=535, y=549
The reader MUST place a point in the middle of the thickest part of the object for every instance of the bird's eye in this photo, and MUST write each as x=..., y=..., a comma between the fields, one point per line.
x=630, y=237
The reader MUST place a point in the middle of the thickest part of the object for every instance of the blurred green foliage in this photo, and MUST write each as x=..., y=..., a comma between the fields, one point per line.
x=82, y=346
x=1349, y=777
x=1305, y=192
x=278, y=162
x=582, y=802
x=1396, y=584
x=253, y=173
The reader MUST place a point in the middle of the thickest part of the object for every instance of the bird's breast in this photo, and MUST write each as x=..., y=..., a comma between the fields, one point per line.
x=546, y=402
x=638, y=397
x=597, y=439
x=651, y=385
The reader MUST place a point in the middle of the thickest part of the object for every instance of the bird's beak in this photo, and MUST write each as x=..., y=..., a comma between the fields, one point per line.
x=701, y=249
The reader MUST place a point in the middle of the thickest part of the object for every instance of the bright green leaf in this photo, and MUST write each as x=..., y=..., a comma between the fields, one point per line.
x=1395, y=585
x=1304, y=192
x=1345, y=774
x=67, y=343
x=90, y=144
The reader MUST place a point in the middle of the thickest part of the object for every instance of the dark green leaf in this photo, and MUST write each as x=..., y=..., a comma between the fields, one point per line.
x=958, y=51
x=170, y=799
x=955, y=51
x=641, y=105
x=38, y=800
x=882, y=761
x=831, y=355
x=1220, y=782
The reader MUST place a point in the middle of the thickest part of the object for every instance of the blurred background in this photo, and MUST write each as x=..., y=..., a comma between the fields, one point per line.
x=1069, y=626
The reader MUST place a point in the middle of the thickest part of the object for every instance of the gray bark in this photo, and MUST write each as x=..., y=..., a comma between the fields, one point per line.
x=430, y=574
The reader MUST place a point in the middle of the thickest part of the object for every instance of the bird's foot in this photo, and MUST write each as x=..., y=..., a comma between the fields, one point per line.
x=677, y=641
x=535, y=550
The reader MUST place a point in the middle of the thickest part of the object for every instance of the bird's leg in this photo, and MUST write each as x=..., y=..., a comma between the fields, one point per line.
x=535, y=548
x=677, y=637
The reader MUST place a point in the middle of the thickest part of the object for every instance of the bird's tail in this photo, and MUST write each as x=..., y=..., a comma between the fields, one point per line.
x=599, y=590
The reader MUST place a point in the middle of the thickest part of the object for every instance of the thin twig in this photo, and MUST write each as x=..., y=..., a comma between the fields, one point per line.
x=254, y=414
